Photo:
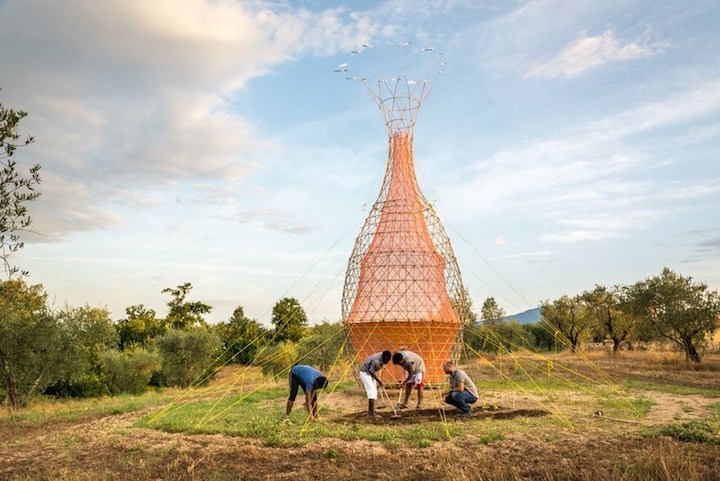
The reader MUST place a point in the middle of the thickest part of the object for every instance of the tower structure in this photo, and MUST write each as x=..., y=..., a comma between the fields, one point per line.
x=403, y=287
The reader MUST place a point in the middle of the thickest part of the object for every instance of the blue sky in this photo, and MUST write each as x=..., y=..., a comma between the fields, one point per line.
x=566, y=144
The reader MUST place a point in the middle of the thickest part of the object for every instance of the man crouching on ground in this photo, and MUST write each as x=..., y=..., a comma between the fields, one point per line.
x=462, y=390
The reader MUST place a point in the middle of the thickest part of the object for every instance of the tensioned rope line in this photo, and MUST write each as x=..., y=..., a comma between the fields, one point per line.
x=557, y=412
x=232, y=385
x=350, y=364
x=570, y=383
x=287, y=318
x=524, y=371
x=544, y=324
x=613, y=387
x=202, y=377
x=440, y=406
x=286, y=369
x=343, y=235
x=222, y=386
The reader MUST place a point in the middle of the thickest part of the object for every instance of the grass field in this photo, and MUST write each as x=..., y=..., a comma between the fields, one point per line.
x=636, y=416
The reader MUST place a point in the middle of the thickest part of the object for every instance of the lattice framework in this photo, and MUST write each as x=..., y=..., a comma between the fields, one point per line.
x=403, y=286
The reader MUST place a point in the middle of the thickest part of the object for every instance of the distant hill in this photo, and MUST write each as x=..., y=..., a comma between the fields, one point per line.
x=530, y=316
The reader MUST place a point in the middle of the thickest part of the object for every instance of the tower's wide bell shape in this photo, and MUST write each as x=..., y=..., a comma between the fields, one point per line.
x=403, y=283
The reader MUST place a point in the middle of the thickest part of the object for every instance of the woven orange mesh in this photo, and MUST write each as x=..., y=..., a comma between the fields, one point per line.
x=401, y=297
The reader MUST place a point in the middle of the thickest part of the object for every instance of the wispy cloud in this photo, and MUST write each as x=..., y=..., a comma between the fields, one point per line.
x=526, y=255
x=595, y=226
x=271, y=220
x=586, y=53
x=691, y=191
x=576, y=235
x=594, y=181
x=710, y=244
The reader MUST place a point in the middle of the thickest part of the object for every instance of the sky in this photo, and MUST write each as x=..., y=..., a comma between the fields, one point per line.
x=566, y=144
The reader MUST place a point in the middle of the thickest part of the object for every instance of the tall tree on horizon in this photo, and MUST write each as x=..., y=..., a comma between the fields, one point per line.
x=491, y=312
x=605, y=306
x=183, y=314
x=289, y=319
x=569, y=317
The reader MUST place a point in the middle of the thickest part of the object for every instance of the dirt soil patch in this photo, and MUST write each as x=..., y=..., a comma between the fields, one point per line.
x=415, y=416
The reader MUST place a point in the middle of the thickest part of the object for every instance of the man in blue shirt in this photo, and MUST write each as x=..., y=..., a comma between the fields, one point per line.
x=310, y=380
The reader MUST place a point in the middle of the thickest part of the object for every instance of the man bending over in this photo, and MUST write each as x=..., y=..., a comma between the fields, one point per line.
x=368, y=369
x=415, y=368
x=310, y=380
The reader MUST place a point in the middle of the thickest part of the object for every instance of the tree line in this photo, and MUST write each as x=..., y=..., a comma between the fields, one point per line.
x=80, y=351
x=74, y=351
x=666, y=308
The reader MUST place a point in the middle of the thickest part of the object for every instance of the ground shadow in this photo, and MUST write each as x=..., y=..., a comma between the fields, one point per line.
x=412, y=416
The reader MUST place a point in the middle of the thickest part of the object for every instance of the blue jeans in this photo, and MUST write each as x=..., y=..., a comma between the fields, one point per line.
x=461, y=400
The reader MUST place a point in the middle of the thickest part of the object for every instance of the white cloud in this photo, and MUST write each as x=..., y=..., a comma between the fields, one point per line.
x=593, y=181
x=271, y=220
x=587, y=53
x=695, y=102
x=500, y=240
x=513, y=40
x=130, y=97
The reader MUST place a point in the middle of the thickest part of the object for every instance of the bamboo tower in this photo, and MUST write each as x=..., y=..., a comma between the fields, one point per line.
x=403, y=287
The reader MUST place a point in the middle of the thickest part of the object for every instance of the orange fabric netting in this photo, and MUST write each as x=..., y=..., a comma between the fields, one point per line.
x=401, y=298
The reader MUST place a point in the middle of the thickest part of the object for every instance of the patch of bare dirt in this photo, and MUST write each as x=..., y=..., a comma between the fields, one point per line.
x=415, y=416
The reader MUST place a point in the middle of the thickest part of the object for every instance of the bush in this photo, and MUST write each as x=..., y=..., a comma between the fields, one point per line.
x=277, y=360
x=499, y=337
x=242, y=337
x=85, y=333
x=129, y=371
x=188, y=356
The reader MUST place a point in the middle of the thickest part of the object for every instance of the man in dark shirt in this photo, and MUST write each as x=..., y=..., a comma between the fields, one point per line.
x=368, y=369
x=310, y=380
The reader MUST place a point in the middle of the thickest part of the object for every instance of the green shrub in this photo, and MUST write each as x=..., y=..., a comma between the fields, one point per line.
x=278, y=359
x=129, y=371
x=188, y=357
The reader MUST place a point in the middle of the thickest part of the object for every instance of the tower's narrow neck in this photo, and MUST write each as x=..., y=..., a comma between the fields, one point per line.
x=403, y=183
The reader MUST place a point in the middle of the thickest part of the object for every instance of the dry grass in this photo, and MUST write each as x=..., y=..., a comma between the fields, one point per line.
x=104, y=439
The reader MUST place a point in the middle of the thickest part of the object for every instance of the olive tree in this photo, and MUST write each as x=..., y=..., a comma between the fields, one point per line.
x=16, y=188
x=30, y=341
x=680, y=310
x=569, y=317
